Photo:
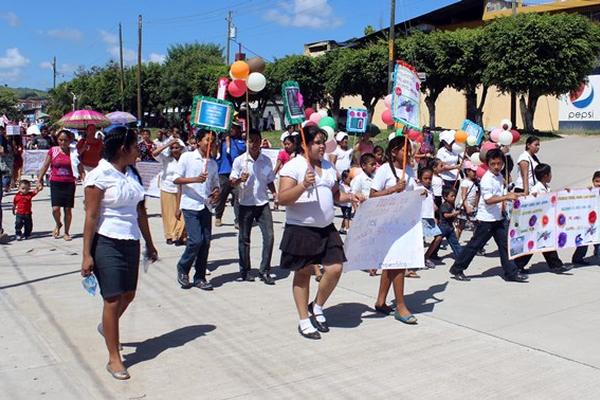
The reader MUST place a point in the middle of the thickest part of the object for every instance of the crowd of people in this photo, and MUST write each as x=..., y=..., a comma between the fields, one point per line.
x=201, y=172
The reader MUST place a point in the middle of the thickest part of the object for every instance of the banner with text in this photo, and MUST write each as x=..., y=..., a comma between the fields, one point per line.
x=150, y=173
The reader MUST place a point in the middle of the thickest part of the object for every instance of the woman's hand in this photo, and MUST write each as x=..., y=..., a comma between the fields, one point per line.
x=151, y=252
x=309, y=179
x=87, y=265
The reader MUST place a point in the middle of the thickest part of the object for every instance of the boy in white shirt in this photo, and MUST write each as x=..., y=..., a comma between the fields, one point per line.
x=199, y=179
x=492, y=222
x=252, y=172
x=361, y=183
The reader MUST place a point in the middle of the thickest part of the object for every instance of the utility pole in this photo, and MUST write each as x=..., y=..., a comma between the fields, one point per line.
x=54, y=72
x=391, y=38
x=139, y=72
x=122, y=73
x=513, y=95
x=228, y=19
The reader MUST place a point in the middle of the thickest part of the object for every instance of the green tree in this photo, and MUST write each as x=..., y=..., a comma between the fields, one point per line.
x=8, y=102
x=369, y=30
x=539, y=54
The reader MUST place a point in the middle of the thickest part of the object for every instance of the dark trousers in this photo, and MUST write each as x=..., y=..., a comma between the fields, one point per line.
x=198, y=225
x=226, y=190
x=23, y=221
x=450, y=235
x=580, y=252
x=483, y=233
x=552, y=259
x=262, y=215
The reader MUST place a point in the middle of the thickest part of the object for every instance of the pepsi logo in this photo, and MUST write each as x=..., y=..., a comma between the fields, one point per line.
x=582, y=96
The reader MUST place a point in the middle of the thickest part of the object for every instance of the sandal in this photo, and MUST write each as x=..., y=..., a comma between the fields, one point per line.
x=409, y=319
x=411, y=274
x=120, y=375
x=56, y=231
x=67, y=237
x=310, y=335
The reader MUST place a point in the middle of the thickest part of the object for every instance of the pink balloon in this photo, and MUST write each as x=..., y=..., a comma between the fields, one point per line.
x=516, y=135
x=315, y=117
x=386, y=117
x=330, y=146
x=487, y=145
x=237, y=87
x=495, y=134
x=388, y=101
x=481, y=170
x=308, y=112
x=310, y=123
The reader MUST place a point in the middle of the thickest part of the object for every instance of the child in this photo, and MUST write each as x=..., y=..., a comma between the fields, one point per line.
x=341, y=158
x=437, y=182
x=361, y=183
x=22, y=209
x=469, y=194
x=491, y=222
x=430, y=228
x=581, y=250
x=448, y=215
x=543, y=175
x=379, y=156
x=346, y=207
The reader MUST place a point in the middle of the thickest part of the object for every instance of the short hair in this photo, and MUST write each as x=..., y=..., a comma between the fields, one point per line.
x=24, y=182
x=436, y=162
x=203, y=132
x=596, y=175
x=494, y=154
x=345, y=174
x=448, y=191
x=377, y=148
x=423, y=170
x=541, y=170
x=255, y=132
x=365, y=158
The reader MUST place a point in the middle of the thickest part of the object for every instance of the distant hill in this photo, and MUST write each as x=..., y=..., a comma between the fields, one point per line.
x=29, y=94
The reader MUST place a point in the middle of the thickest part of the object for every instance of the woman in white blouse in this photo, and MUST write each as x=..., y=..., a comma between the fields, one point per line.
x=115, y=220
x=527, y=162
x=170, y=193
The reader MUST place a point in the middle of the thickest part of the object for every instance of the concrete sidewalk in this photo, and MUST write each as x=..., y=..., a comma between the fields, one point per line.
x=484, y=339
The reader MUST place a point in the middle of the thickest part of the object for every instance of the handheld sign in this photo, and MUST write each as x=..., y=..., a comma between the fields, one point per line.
x=13, y=130
x=357, y=120
x=406, y=95
x=473, y=130
x=211, y=113
x=293, y=102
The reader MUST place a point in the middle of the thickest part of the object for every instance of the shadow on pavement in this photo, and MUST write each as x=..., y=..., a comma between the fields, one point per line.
x=39, y=279
x=220, y=235
x=417, y=301
x=151, y=348
x=346, y=315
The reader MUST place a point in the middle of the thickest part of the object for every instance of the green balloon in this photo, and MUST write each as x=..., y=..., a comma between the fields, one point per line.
x=399, y=132
x=327, y=121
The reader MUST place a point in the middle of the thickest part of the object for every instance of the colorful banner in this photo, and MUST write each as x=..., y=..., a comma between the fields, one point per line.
x=473, y=130
x=357, y=120
x=379, y=239
x=406, y=95
x=554, y=221
x=150, y=173
x=211, y=113
x=293, y=102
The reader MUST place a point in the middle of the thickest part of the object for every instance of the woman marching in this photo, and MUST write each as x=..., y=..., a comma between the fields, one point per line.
x=115, y=220
x=527, y=162
x=390, y=179
x=308, y=188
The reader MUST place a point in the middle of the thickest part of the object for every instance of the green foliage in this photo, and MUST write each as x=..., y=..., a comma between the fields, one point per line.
x=369, y=30
x=8, y=101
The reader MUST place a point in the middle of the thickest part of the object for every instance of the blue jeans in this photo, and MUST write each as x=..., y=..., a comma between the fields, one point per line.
x=262, y=215
x=198, y=225
x=450, y=235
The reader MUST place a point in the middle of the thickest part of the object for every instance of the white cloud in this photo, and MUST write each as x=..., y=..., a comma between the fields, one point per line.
x=304, y=14
x=74, y=35
x=157, y=58
x=11, y=75
x=10, y=18
x=61, y=68
x=109, y=38
x=112, y=41
x=13, y=59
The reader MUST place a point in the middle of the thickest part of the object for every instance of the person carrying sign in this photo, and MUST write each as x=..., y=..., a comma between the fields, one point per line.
x=228, y=151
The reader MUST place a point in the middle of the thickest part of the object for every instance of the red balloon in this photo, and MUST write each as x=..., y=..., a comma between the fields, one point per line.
x=386, y=117
x=237, y=87
x=308, y=112
x=481, y=170
x=413, y=134
x=419, y=139
x=516, y=135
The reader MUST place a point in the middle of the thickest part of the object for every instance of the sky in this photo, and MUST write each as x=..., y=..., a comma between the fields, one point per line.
x=80, y=34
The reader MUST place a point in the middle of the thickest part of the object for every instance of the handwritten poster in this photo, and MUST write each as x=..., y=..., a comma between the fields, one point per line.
x=150, y=173
x=379, y=239
x=406, y=95
x=33, y=160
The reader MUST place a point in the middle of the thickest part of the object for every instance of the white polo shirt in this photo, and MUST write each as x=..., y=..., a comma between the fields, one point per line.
x=253, y=192
x=448, y=158
x=118, y=216
x=194, y=196
x=491, y=186
x=169, y=173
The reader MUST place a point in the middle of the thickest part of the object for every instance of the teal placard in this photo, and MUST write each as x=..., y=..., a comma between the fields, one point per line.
x=211, y=113
x=293, y=102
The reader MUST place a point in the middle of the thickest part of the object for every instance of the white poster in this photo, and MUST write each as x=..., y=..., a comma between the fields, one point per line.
x=272, y=154
x=150, y=173
x=33, y=160
x=386, y=233
x=577, y=218
x=582, y=104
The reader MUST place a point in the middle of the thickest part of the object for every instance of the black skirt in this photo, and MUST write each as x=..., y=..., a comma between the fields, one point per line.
x=62, y=194
x=302, y=246
x=116, y=265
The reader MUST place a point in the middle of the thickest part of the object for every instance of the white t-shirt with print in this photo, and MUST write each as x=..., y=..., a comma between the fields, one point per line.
x=253, y=192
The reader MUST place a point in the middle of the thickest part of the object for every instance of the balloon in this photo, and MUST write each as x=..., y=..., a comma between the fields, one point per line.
x=495, y=134
x=388, y=101
x=481, y=170
x=330, y=146
x=516, y=135
x=310, y=123
x=461, y=136
x=237, y=88
x=489, y=146
x=323, y=112
x=256, y=81
x=315, y=117
x=413, y=134
x=482, y=155
x=327, y=121
x=419, y=139
x=506, y=124
x=472, y=141
x=256, y=64
x=304, y=123
x=475, y=159
x=386, y=117
x=505, y=138
x=308, y=112
x=458, y=149
x=330, y=133
x=239, y=70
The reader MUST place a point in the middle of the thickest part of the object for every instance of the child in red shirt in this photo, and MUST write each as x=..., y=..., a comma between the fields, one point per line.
x=22, y=209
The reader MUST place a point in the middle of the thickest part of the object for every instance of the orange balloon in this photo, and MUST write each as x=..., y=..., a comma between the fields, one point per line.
x=240, y=70
x=461, y=136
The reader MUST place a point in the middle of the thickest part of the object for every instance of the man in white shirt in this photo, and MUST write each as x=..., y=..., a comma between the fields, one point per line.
x=199, y=178
x=449, y=172
x=252, y=173
x=491, y=222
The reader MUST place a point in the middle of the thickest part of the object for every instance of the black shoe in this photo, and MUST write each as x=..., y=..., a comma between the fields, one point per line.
x=581, y=262
x=321, y=326
x=521, y=278
x=459, y=275
x=203, y=284
x=179, y=243
x=313, y=335
x=524, y=271
x=266, y=278
x=245, y=278
x=184, y=281
x=169, y=241
x=561, y=269
x=435, y=257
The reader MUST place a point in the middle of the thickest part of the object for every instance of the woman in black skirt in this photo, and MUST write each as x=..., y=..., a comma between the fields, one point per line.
x=62, y=182
x=115, y=220
x=308, y=188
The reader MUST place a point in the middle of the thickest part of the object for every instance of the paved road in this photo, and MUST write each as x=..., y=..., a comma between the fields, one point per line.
x=485, y=339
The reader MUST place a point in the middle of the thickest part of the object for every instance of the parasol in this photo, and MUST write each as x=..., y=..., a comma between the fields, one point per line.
x=80, y=119
x=121, y=117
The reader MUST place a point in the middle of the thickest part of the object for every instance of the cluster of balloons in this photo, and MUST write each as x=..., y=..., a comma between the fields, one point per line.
x=386, y=115
x=322, y=119
x=505, y=135
x=247, y=75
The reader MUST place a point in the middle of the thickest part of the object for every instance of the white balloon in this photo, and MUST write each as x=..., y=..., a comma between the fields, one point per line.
x=330, y=133
x=506, y=122
x=471, y=140
x=505, y=138
x=475, y=159
x=256, y=81
x=458, y=149
x=323, y=112
x=304, y=123
x=391, y=136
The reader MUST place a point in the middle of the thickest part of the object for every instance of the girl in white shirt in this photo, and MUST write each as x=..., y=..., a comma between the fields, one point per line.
x=390, y=179
x=308, y=188
x=527, y=162
x=115, y=219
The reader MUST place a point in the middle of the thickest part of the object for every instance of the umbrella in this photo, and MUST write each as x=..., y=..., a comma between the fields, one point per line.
x=33, y=130
x=80, y=119
x=121, y=117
